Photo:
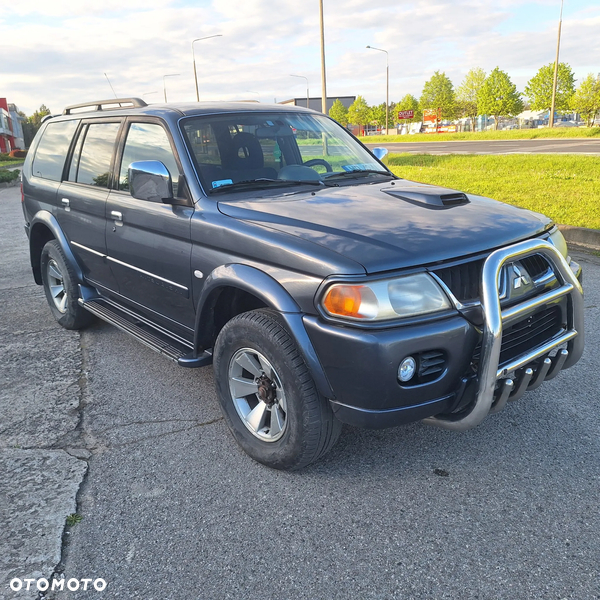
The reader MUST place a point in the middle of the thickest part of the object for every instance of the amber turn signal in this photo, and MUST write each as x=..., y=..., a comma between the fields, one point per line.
x=344, y=300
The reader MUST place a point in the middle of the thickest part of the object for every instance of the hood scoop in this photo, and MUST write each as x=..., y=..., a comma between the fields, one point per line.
x=429, y=196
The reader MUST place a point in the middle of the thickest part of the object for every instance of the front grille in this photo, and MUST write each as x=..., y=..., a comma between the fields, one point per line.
x=532, y=331
x=535, y=264
x=527, y=334
x=464, y=279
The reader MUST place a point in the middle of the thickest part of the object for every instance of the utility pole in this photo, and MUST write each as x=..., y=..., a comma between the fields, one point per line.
x=551, y=120
x=323, y=76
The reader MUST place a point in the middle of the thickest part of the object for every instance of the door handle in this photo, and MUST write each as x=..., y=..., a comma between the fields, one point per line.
x=66, y=203
x=116, y=215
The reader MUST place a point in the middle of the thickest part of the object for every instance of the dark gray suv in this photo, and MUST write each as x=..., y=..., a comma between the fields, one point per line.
x=269, y=241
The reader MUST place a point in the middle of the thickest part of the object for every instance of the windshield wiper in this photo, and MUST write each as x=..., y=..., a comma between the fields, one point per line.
x=359, y=173
x=263, y=182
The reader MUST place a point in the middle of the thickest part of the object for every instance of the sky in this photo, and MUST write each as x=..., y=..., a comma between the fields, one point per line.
x=62, y=53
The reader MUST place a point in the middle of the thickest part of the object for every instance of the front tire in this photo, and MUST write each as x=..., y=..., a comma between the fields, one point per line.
x=267, y=395
x=61, y=288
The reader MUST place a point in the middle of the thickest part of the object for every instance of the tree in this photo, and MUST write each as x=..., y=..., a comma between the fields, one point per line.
x=32, y=124
x=359, y=112
x=586, y=100
x=498, y=97
x=438, y=92
x=467, y=94
x=539, y=88
x=339, y=112
x=377, y=115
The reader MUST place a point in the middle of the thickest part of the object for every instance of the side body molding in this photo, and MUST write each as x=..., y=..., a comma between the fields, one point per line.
x=42, y=219
x=274, y=295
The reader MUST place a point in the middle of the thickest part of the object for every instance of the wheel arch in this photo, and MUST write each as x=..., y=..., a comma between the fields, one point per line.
x=235, y=288
x=44, y=227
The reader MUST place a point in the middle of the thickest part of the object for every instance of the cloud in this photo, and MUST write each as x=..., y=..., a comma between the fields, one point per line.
x=59, y=52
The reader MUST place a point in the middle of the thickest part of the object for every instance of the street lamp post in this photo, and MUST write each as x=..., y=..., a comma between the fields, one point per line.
x=194, y=60
x=323, y=75
x=165, y=85
x=307, y=94
x=387, y=84
x=551, y=120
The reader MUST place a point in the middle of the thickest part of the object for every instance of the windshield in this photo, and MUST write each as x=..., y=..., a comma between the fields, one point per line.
x=263, y=150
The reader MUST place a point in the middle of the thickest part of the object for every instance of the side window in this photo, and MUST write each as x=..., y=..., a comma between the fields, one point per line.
x=76, y=154
x=96, y=154
x=147, y=141
x=52, y=150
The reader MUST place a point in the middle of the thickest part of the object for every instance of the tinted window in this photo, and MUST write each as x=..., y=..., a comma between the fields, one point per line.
x=96, y=154
x=52, y=150
x=75, y=160
x=147, y=141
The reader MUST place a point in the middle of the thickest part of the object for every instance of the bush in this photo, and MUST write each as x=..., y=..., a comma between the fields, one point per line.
x=18, y=154
x=8, y=176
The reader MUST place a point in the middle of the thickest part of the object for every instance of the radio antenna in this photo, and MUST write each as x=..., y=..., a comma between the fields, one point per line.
x=111, y=87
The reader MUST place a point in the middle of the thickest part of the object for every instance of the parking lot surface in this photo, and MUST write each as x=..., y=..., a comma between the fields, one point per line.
x=172, y=509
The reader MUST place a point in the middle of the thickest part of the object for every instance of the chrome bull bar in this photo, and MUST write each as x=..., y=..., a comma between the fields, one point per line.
x=492, y=396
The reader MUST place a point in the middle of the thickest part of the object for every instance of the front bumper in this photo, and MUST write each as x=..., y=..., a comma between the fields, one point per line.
x=362, y=369
x=361, y=365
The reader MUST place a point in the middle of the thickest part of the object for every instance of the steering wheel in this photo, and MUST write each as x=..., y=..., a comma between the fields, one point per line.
x=319, y=161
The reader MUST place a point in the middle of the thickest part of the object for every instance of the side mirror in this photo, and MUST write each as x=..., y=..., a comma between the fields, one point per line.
x=150, y=180
x=380, y=153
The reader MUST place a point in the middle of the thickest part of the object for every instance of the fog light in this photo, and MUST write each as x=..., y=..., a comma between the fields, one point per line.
x=407, y=369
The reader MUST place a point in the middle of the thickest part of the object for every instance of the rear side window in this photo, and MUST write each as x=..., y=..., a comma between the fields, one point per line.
x=52, y=150
x=96, y=154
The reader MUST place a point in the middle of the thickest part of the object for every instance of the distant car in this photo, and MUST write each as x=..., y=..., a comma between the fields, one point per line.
x=269, y=241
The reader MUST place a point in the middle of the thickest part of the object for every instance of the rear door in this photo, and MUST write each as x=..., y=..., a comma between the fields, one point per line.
x=149, y=243
x=82, y=198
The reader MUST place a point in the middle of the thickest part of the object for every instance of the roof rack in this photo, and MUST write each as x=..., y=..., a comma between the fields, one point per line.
x=112, y=104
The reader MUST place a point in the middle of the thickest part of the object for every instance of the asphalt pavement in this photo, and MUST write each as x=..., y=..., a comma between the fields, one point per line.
x=172, y=509
x=540, y=146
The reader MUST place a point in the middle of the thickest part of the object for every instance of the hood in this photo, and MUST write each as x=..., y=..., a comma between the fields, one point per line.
x=391, y=226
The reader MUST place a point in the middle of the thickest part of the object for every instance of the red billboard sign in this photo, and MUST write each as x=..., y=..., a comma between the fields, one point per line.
x=406, y=114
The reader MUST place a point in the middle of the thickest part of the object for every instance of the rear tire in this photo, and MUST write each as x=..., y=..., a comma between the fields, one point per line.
x=62, y=289
x=267, y=395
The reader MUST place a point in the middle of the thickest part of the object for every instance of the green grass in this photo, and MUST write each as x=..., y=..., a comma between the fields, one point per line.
x=9, y=162
x=513, y=134
x=73, y=519
x=564, y=187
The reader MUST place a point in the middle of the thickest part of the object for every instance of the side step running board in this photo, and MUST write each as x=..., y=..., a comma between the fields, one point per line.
x=177, y=350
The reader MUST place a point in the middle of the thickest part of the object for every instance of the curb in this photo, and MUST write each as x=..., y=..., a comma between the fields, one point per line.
x=7, y=184
x=582, y=238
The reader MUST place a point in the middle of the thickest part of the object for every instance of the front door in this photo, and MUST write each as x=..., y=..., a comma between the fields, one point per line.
x=148, y=243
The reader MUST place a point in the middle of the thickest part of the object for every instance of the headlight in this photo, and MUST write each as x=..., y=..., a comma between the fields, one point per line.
x=385, y=299
x=558, y=241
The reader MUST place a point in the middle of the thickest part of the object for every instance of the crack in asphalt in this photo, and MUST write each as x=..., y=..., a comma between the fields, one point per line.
x=82, y=383
x=161, y=435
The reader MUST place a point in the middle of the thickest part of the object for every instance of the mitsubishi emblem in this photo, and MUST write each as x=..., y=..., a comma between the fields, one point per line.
x=521, y=279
